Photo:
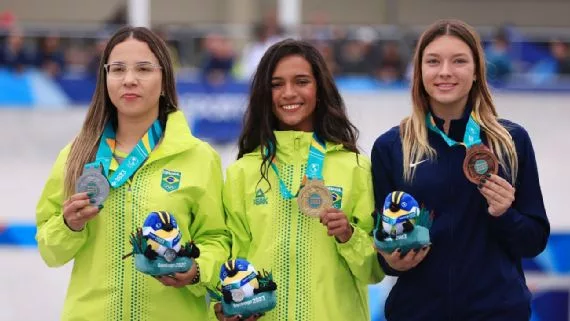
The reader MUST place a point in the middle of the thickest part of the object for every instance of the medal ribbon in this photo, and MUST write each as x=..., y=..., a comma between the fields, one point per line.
x=472, y=134
x=314, y=169
x=136, y=158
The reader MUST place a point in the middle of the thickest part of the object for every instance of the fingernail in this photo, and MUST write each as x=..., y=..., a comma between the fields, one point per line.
x=424, y=248
x=399, y=250
x=90, y=194
x=92, y=201
x=100, y=207
x=480, y=186
x=488, y=174
x=483, y=181
x=416, y=250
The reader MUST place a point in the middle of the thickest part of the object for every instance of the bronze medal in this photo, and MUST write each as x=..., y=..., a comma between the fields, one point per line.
x=314, y=197
x=479, y=161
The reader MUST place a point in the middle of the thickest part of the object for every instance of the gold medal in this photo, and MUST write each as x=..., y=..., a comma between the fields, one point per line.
x=479, y=161
x=314, y=197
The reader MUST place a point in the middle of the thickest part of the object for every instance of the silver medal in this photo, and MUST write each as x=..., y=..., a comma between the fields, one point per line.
x=94, y=182
x=237, y=295
x=169, y=255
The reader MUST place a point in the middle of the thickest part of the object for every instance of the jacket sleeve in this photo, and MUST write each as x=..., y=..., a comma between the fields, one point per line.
x=57, y=243
x=524, y=228
x=208, y=228
x=383, y=185
x=358, y=252
x=235, y=213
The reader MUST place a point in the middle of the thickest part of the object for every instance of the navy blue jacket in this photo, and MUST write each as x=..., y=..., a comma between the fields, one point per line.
x=473, y=270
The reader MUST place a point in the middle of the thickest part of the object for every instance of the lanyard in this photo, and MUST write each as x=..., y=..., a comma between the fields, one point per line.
x=136, y=158
x=314, y=166
x=471, y=137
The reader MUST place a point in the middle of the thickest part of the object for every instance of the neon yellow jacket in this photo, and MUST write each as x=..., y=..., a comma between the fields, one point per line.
x=317, y=277
x=105, y=287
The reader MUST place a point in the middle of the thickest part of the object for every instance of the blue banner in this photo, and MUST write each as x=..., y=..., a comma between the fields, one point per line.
x=215, y=113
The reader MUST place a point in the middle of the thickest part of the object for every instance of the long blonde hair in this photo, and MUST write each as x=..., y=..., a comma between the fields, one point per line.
x=101, y=109
x=414, y=132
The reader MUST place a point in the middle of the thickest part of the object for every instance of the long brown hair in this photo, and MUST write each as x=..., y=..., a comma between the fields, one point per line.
x=102, y=110
x=414, y=133
x=330, y=121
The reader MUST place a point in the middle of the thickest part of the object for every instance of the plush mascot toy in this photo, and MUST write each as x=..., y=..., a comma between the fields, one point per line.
x=401, y=224
x=158, y=248
x=244, y=291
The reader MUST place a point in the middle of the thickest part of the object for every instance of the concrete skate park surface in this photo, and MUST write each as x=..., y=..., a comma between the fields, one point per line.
x=32, y=138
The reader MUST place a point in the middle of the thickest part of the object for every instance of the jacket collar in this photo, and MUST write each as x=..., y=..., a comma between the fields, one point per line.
x=294, y=145
x=457, y=126
x=177, y=137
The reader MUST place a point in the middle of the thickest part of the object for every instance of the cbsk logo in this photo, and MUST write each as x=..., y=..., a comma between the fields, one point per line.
x=260, y=198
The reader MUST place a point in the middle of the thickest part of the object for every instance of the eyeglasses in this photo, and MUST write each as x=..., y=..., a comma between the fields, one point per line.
x=141, y=71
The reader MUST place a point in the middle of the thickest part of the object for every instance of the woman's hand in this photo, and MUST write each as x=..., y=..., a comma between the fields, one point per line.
x=404, y=263
x=337, y=224
x=78, y=209
x=179, y=280
x=499, y=194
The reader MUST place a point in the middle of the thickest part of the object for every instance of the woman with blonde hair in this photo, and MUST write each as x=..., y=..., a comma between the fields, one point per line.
x=139, y=156
x=478, y=177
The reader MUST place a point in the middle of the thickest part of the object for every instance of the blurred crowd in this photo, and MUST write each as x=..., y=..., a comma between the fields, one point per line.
x=350, y=51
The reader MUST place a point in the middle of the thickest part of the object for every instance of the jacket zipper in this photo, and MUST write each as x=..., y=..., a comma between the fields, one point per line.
x=452, y=217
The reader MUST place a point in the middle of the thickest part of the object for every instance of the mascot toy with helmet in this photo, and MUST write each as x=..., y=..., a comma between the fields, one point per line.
x=158, y=247
x=401, y=224
x=244, y=291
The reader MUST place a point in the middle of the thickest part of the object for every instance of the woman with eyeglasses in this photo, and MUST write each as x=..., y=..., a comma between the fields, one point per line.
x=136, y=146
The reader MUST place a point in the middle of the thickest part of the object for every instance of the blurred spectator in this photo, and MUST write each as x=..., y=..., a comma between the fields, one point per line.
x=328, y=54
x=265, y=33
x=93, y=66
x=391, y=67
x=76, y=60
x=13, y=55
x=274, y=32
x=319, y=33
x=318, y=29
x=553, y=67
x=172, y=50
x=499, y=61
x=264, y=36
x=49, y=57
x=219, y=60
x=118, y=17
x=561, y=56
x=356, y=55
